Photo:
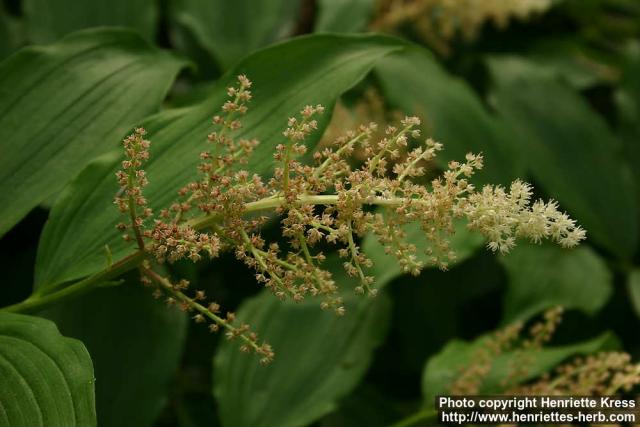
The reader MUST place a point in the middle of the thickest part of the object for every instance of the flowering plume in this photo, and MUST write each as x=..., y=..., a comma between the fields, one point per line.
x=438, y=22
x=604, y=373
x=509, y=339
x=327, y=201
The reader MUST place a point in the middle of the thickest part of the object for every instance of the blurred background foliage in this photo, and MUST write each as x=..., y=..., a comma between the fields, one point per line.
x=548, y=90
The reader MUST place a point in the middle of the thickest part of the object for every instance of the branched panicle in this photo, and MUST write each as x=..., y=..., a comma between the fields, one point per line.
x=502, y=216
x=331, y=199
x=132, y=179
x=202, y=311
x=439, y=22
x=218, y=179
x=604, y=373
x=171, y=239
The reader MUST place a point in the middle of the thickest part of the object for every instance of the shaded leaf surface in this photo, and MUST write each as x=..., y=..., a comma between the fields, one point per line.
x=135, y=342
x=443, y=369
x=633, y=286
x=64, y=104
x=541, y=277
x=230, y=30
x=47, y=379
x=48, y=20
x=571, y=59
x=628, y=106
x=570, y=150
x=319, y=359
x=413, y=82
x=344, y=16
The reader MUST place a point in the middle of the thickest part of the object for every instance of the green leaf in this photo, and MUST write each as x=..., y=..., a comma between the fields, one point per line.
x=135, y=342
x=230, y=30
x=48, y=20
x=320, y=358
x=413, y=82
x=385, y=266
x=541, y=277
x=627, y=99
x=47, y=379
x=444, y=368
x=633, y=287
x=572, y=60
x=319, y=70
x=344, y=16
x=64, y=104
x=570, y=150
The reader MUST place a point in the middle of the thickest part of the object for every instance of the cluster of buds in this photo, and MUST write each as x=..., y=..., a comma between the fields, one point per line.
x=601, y=374
x=504, y=216
x=509, y=339
x=205, y=312
x=173, y=242
x=471, y=377
x=330, y=201
x=439, y=22
x=132, y=179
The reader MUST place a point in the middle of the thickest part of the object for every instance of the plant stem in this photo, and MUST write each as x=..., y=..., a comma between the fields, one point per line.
x=277, y=201
x=339, y=151
x=169, y=288
x=133, y=214
x=423, y=415
x=354, y=256
x=257, y=255
x=286, y=172
x=41, y=299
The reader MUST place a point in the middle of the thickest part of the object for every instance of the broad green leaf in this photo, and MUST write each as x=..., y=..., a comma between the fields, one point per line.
x=628, y=96
x=135, y=342
x=229, y=30
x=319, y=69
x=628, y=107
x=570, y=150
x=64, y=104
x=443, y=369
x=344, y=16
x=62, y=220
x=47, y=379
x=633, y=286
x=541, y=277
x=413, y=82
x=385, y=266
x=574, y=61
x=320, y=358
x=48, y=20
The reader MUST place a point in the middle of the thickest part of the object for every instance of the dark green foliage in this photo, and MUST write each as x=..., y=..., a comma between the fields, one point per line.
x=553, y=100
